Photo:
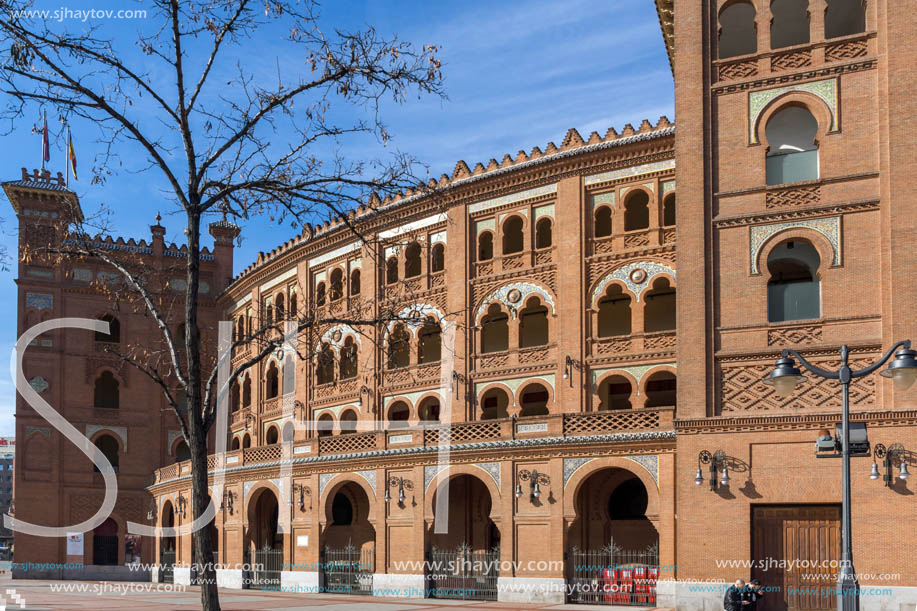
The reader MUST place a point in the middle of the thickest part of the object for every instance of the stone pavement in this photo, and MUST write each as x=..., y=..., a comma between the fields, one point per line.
x=101, y=596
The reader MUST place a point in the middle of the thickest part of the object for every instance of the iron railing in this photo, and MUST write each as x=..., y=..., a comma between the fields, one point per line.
x=464, y=573
x=614, y=576
x=348, y=570
x=167, y=566
x=265, y=570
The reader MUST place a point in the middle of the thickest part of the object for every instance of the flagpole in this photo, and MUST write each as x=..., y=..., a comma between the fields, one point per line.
x=44, y=131
x=67, y=157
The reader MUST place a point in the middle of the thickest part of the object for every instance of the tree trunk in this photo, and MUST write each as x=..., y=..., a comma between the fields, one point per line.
x=202, y=545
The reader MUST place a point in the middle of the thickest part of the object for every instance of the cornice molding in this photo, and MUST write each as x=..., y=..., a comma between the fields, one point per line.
x=786, y=422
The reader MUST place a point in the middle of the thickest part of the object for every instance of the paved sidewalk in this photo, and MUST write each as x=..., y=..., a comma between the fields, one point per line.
x=101, y=596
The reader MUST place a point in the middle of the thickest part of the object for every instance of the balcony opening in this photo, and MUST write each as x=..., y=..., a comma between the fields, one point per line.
x=348, y=422
x=668, y=210
x=486, y=246
x=398, y=415
x=636, y=210
x=247, y=391
x=272, y=382
x=235, y=397
x=348, y=359
x=278, y=307
x=659, y=312
x=494, y=404
x=603, y=222
x=399, y=347
x=614, y=312
x=793, y=152
x=320, y=294
x=738, y=32
x=429, y=346
x=845, y=17
x=790, y=23
x=108, y=445
x=337, y=285
x=412, y=260
x=660, y=390
x=324, y=370
x=534, y=401
x=355, y=282
x=246, y=442
x=438, y=258
x=325, y=425
x=429, y=410
x=513, y=240
x=114, y=330
x=272, y=436
x=294, y=312
x=182, y=452
x=106, y=394
x=614, y=393
x=495, y=330
x=533, y=324
x=236, y=444
x=391, y=270
x=794, y=289
x=544, y=237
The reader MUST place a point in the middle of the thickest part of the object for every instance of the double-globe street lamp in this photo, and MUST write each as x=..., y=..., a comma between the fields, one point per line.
x=786, y=376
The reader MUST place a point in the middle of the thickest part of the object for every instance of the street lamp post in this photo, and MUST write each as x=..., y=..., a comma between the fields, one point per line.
x=786, y=376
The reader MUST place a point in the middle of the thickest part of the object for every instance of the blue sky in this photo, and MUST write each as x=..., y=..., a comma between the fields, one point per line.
x=517, y=75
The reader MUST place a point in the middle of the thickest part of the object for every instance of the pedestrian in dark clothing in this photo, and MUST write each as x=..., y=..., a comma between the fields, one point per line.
x=733, y=601
x=752, y=594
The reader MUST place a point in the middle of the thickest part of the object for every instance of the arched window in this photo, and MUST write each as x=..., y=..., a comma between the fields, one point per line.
x=238, y=329
x=614, y=312
x=108, y=445
x=288, y=433
x=337, y=285
x=348, y=365
x=738, y=33
x=429, y=410
x=533, y=324
x=355, y=282
x=324, y=372
x=486, y=246
x=429, y=345
x=660, y=390
x=272, y=436
x=235, y=397
x=495, y=330
x=182, y=452
x=668, y=210
x=320, y=294
x=793, y=290
x=391, y=270
x=235, y=443
x=248, y=321
x=543, y=233
x=278, y=307
x=603, y=222
x=845, y=17
x=348, y=422
x=636, y=211
x=438, y=258
x=513, y=240
x=105, y=394
x=114, y=330
x=659, y=312
x=614, y=393
x=247, y=391
x=494, y=404
x=272, y=381
x=399, y=347
x=534, y=401
x=790, y=23
x=268, y=314
x=793, y=154
x=412, y=260
x=398, y=415
x=246, y=441
x=325, y=425
x=294, y=312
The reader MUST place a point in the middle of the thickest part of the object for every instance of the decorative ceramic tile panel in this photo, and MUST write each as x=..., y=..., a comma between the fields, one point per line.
x=413, y=396
x=571, y=465
x=323, y=480
x=486, y=225
x=514, y=383
x=646, y=168
x=638, y=371
x=39, y=384
x=603, y=198
x=39, y=301
x=334, y=254
x=369, y=476
x=340, y=332
x=119, y=431
x=512, y=197
x=759, y=234
x=543, y=211
x=637, y=277
x=650, y=463
x=514, y=296
x=430, y=473
x=414, y=226
x=535, y=427
x=492, y=468
x=439, y=236
x=413, y=317
x=668, y=186
x=758, y=100
x=335, y=409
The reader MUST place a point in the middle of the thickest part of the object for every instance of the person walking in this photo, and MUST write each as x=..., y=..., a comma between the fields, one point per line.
x=751, y=594
x=734, y=598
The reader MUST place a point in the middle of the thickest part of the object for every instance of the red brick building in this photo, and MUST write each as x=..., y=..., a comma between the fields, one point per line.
x=578, y=398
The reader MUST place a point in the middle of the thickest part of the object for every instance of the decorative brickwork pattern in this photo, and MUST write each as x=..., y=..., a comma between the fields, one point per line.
x=791, y=61
x=799, y=196
x=738, y=70
x=461, y=433
x=846, y=50
x=604, y=422
x=794, y=336
x=343, y=444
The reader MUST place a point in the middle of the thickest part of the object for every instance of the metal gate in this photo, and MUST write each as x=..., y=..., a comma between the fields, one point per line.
x=463, y=573
x=265, y=570
x=167, y=566
x=614, y=576
x=348, y=570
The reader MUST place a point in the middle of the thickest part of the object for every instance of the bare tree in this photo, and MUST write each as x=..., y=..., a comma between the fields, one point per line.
x=227, y=133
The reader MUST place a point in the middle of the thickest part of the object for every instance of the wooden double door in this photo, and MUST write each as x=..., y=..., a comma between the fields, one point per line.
x=796, y=551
